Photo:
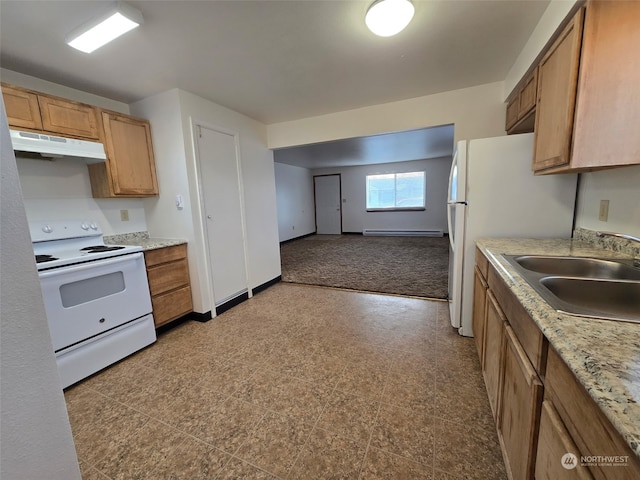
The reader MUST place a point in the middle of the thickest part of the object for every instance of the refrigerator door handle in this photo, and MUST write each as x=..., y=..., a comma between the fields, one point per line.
x=450, y=206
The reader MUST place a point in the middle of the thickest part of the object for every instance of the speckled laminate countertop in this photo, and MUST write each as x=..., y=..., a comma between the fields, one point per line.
x=142, y=239
x=603, y=354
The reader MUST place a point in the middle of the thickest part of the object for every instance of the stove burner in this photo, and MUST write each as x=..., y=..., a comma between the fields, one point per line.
x=45, y=258
x=101, y=248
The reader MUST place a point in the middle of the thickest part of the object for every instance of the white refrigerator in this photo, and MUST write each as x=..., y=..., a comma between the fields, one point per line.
x=494, y=193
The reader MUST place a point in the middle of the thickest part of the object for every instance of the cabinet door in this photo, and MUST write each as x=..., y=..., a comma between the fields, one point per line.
x=479, y=311
x=554, y=442
x=608, y=109
x=520, y=409
x=590, y=429
x=131, y=165
x=557, y=86
x=68, y=118
x=512, y=112
x=22, y=108
x=528, y=94
x=493, y=348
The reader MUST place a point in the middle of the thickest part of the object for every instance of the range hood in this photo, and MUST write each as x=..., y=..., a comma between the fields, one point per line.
x=50, y=147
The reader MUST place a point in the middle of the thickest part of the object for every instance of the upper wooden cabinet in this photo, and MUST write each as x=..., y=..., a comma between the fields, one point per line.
x=38, y=111
x=521, y=106
x=557, y=77
x=22, y=108
x=68, y=118
x=130, y=169
x=608, y=104
x=588, y=108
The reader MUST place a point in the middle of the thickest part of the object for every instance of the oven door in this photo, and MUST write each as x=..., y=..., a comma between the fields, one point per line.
x=84, y=300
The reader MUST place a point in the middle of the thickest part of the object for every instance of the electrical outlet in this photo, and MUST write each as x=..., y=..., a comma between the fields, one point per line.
x=603, y=215
x=124, y=215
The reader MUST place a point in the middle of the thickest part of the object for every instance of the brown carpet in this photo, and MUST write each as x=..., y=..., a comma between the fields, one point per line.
x=416, y=266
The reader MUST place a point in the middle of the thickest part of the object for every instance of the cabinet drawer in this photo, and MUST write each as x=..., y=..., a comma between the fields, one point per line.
x=482, y=263
x=171, y=305
x=164, y=255
x=553, y=443
x=588, y=426
x=168, y=276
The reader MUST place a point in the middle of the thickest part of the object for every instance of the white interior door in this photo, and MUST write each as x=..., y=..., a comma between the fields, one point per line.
x=328, y=206
x=223, y=211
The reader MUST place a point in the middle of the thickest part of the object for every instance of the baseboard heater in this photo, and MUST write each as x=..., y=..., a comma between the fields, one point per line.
x=403, y=233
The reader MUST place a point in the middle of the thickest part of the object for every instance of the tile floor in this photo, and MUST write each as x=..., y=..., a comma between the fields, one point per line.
x=296, y=383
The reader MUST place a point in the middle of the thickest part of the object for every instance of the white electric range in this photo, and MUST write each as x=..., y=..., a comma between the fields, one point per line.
x=96, y=297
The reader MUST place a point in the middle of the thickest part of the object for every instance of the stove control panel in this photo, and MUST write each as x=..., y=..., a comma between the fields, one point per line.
x=46, y=231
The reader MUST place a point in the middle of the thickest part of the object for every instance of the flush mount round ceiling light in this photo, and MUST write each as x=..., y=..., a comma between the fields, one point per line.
x=389, y=17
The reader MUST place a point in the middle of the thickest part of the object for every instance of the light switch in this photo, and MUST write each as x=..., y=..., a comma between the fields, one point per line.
x=179, y=202
x=124, y=215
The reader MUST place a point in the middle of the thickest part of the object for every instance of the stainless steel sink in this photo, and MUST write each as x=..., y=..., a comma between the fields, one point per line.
x=590, y=287
x=596, y=298
x=579, y=267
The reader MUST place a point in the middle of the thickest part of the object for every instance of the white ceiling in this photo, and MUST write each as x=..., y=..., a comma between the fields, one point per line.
x=404, y=146
x=271, y=60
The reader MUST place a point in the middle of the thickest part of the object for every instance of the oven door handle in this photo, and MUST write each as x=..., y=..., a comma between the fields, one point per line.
x=91, y=264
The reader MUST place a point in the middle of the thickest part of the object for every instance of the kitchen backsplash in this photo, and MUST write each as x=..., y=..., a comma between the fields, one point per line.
x=614, y=244
x=621, y=187
x=60, y=190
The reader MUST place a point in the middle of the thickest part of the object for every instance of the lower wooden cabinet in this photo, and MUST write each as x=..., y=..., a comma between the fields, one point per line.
x=558, y=458
x=493, y=348
x=520, y=408
x=479, y=314
x=541, y=410
x=586, y=424
x=168, y=275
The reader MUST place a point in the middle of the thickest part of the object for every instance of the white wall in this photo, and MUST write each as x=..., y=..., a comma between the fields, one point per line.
x=477, y=112
x=547, y=25
x=39, y=85
x=60, y=190
x=621, y=186
x=35, y=434
x=171, y=114
x=355, y=218
x=294, y=196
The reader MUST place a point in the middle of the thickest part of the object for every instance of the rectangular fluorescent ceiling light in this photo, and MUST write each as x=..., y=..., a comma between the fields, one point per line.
x=100, y=31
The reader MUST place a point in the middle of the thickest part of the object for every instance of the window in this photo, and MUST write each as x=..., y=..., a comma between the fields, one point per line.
x=396, y=191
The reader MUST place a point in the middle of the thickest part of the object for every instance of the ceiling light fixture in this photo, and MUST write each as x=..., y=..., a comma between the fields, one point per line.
x=101, y=30
x=389, y=17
